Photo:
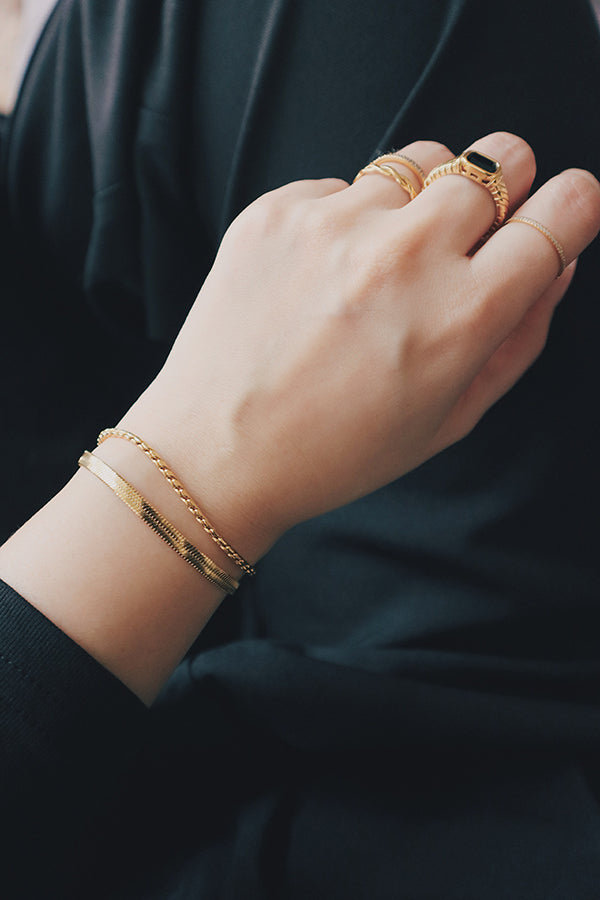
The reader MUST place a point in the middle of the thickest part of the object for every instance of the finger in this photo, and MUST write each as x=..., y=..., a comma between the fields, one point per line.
x=509, y=362
x=379, y=189
x=462, y=210
x=519, y=263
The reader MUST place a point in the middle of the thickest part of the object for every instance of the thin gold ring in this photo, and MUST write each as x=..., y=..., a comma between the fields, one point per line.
x=405, y=161
x=485, y=171
x=562, y=259
x=381, y=169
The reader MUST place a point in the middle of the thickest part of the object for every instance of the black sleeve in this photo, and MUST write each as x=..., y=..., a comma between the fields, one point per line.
x=68, y=729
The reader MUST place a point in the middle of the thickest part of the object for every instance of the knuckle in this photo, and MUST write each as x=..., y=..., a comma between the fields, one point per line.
x=263, y=218
x=335, y=184
x=580, y=192
x=507, y=142
x=397, y=258
x=510, y=149
x=414, y=241
x=507, y=139
x=427, y=149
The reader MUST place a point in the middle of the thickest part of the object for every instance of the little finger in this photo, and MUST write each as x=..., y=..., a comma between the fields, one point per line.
x=507, y=364
x=520, y=261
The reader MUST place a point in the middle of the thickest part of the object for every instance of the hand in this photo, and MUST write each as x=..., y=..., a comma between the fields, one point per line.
x=343, y=337
x=346, y=335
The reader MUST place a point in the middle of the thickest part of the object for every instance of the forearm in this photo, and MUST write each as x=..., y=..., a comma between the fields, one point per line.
x=108, y=581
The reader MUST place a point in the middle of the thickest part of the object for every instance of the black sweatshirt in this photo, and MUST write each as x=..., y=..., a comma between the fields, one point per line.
x=415, y=713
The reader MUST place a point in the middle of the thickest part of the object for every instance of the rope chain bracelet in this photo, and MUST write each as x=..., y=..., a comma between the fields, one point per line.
x=182, y=493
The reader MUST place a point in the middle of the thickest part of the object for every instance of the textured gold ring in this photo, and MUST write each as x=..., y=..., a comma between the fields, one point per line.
x=562, y=259
x=485, y=171
x=389, y=171
x=405, y=161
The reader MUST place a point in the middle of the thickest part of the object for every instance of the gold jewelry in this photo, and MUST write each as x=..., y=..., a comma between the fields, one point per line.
x=404, y=182
x=163, y=528
x=562, y=259
x=405, y=161
x=181, y=492
x=485, y=171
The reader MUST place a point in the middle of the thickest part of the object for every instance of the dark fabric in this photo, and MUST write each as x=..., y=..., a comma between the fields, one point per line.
x=67, y=730
x=415, y=712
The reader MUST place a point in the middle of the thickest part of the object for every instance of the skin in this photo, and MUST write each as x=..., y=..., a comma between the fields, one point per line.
x=343, y=337
x=10, y=34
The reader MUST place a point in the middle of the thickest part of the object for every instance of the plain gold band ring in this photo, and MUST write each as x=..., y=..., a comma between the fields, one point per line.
x=381, y=169
x=562, y=259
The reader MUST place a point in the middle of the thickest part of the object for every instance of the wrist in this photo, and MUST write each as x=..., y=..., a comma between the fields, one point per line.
x=106, y=580
x=211, y=461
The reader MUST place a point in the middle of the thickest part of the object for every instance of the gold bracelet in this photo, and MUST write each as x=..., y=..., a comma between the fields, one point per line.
x=181, y=492
x=163, y=528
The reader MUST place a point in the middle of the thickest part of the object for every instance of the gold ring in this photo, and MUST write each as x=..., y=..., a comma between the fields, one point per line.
x=381, y=169
x=405, y=161
x=562, y=259
x=485, y=171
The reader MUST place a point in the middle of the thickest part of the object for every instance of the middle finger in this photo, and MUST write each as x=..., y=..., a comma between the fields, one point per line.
x=460, y=210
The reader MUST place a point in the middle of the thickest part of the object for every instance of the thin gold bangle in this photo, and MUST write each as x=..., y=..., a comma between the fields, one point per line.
x=181, y=492
x=161, y=526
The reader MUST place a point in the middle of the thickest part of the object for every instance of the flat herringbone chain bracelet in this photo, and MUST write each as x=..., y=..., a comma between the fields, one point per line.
x=161, y=526
x=181, y=492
